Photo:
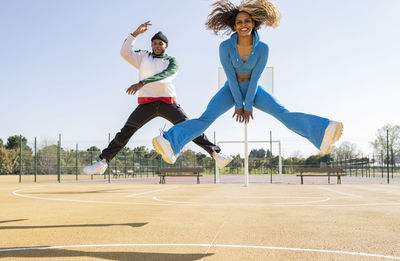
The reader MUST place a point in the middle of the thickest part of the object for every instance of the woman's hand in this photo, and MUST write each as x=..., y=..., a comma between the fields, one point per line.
x=239, y=115
x=247, y=115
x=134, y=88
x=141, y=29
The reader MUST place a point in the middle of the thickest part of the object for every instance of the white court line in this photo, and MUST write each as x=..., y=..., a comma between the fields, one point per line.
x=208, y=245
x=148, y=192
x=301, y=204
x=340, y=192
x=228, y=204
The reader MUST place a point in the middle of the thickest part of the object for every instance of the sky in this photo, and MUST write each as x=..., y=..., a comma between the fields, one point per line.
x=61, y=71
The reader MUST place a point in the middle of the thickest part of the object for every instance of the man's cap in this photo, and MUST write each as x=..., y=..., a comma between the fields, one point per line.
x=160, y=36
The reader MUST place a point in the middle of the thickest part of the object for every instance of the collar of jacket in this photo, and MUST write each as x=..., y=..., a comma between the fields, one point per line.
x=158, y=56
x=254, y=34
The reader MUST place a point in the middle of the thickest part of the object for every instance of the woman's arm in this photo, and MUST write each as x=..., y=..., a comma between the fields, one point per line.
x=230, y=74
x=255, y=76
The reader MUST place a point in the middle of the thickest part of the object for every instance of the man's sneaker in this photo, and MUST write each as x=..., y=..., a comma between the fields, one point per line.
x=332, y=134
x=97, y=168
x=163, y=147
x=221, y=159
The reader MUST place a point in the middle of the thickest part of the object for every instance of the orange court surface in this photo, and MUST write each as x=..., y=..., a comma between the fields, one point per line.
x=127, y=221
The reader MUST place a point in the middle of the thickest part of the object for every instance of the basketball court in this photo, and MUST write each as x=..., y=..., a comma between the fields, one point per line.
x=125, y=221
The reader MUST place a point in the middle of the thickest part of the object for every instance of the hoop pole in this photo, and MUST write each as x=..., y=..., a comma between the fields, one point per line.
x=246, y=157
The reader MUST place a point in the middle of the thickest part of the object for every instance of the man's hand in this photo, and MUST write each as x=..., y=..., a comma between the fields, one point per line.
x=134, y=88
x=247, y=115
x=239, y=115
x=141, y=29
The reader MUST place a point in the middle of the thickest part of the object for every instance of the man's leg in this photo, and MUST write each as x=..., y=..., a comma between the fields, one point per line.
x=175, y=114
x=179, y=135
x=140, y=116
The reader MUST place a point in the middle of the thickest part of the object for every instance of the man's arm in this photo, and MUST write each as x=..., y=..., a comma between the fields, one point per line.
x=131, y=56
x=171, y=70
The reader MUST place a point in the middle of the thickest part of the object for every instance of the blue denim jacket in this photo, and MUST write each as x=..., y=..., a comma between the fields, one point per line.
x=254, y=65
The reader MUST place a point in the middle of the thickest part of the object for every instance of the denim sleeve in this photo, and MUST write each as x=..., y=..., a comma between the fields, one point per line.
x=231, y=76
x=255, y=76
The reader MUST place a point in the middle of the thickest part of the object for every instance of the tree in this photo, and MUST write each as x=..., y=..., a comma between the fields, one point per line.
x=380, y=142
x=13, y=143
x=5, y=162
x=1, y=143
x=346, y=150
x=93, y=148
x=315, y=160
x=257, y=153
x=187, y=158
x=47, y=159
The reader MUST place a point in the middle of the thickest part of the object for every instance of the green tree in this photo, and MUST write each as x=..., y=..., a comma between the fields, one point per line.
x=93, y=148
x=1, y=143
x=187, y=158
x=257, y=153
x=315, y=160
x=380, y=142
x=13, y=143
x=47, y=159
x=5, y=162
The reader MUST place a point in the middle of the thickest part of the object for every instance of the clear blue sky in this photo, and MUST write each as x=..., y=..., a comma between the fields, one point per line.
x=61, y=72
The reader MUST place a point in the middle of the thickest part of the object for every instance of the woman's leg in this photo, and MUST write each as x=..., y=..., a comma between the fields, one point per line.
x=182, y=133
x=308, y=126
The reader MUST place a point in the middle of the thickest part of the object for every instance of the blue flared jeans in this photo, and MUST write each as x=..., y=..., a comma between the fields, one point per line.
x=308, y=126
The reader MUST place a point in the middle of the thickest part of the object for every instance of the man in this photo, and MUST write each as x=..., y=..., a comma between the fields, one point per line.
x=156, y=98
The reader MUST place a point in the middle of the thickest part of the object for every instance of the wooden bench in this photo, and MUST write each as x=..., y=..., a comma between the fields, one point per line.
x=165, y=172
x=331, y=172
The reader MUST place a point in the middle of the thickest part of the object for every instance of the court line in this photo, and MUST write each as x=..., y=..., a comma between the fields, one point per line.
x=226, y=204
x=206, y=204
x=148, y=192
x=325, y=251
x=340, y=192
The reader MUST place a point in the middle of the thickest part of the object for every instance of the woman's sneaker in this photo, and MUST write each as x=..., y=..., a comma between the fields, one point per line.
x=332, y=134
x=163, y=147
x=221, y=159
x=97, y=168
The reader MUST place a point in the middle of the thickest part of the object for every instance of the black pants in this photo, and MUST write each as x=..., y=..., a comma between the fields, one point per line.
x=143, y=114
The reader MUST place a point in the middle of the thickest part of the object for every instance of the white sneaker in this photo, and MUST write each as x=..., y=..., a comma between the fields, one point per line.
x=332, y=134
x=221, y=159
x=163, y=147
x=97, y=168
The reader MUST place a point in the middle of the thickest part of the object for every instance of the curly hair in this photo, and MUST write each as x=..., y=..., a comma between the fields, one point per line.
x=222, y=18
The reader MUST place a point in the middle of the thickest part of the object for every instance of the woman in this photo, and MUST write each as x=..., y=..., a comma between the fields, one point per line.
x=244, y=58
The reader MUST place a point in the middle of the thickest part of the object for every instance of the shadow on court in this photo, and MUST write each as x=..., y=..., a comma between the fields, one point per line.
x=70, y=226
x=122, y=256
x=14, y=220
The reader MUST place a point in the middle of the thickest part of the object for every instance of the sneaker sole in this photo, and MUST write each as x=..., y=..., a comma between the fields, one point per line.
x=157, y=146
x=333, y=138
x=224, y=164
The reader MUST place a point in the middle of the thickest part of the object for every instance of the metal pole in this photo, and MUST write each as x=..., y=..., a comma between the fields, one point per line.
x=246, y=157
x=77, y=162
x=280, y=162
x=59, y=159
x=387, y=154
x=109, y=168
x=20, y=158
x=215, y=165
x=35, y=173
x=391, y=158
x=270, y=144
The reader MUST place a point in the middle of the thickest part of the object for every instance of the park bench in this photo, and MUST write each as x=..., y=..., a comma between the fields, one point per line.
x=330, y=172
x=177, y=172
